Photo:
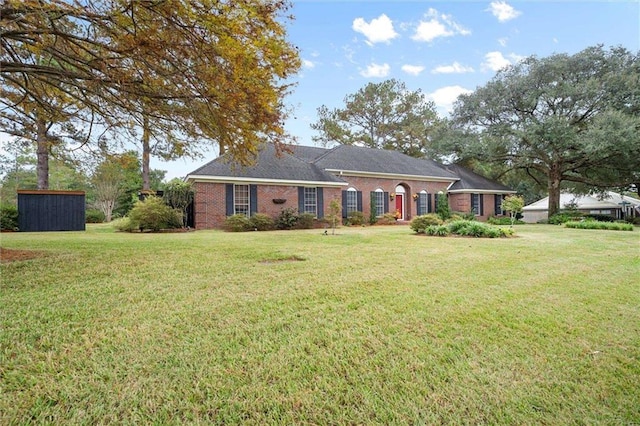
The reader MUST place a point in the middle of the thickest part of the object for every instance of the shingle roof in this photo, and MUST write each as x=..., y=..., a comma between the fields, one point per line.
x=358, y=159
x=307, y=153
x=470, y=181
x=268, y=165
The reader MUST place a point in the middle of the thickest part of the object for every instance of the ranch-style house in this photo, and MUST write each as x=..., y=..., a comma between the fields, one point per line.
x=308, y=178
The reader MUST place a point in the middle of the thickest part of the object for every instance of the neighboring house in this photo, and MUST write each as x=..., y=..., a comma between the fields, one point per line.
x=611, y=204
x=308, y=178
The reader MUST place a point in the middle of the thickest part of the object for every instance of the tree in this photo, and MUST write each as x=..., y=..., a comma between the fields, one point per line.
x=335, y=210
x=575, y=120
x=442, y=206
x=193, y=72
x=178, y=195
x=514, y=205
x=385, y=115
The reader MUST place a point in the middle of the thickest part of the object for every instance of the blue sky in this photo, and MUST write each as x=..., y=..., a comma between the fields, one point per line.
x=442, y=48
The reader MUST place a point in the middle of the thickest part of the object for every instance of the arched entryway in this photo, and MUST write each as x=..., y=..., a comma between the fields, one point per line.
x=401, y=201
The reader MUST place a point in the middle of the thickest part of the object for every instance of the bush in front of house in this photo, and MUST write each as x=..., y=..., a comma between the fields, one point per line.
x=261, y=222
x=355, y=219
x=472, y=228
x=94, y=216
x=594, y=224
x=563, y=217
x=287, y=218
x=387, y=219
x=600, y=217
x=420, y=223
x=437, y=230
x=305, y=221
x=492, y=220
x=237, y=223
x=153, y=214
x=8, y=217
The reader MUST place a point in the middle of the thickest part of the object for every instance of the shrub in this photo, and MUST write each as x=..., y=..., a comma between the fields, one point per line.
x=600, y=217
x=563, y=217
x=443, y=210
x=94, y=216
x=420, y=223
x=593, y=224
x=503, y=221
x=470, y=215
x=437, y=230
x=261, y=222
x=305, y=221
x=287, y=218
x=387, y=219
x=124, y=225
x=372, y=211
x=152, y=213
x=8, y=217
x=237, y=223
x=355, y=218
x=477, y=229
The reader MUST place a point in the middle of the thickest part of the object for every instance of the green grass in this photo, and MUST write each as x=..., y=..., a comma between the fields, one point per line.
x=373, y=325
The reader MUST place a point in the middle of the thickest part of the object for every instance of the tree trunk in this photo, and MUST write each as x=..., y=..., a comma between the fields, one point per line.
x=554, y=190
x=42, y=151
x=146, y=155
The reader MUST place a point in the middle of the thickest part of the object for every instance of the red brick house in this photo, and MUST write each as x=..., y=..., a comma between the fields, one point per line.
x=308, y=178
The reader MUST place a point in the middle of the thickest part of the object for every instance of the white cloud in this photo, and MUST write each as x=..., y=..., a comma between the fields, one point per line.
x=437, y=25
x=375, y=70
x=379, y=30
x=494, y=61
x=444, y=97
x=308, y=64
x=412, y=69
x=503, y=11
x=455, y=68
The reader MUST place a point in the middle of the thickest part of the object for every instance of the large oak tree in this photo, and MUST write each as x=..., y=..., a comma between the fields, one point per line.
x=573, y=119
x=186, y=72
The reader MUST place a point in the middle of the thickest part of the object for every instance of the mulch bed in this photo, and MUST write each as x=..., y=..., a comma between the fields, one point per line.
x=11, y=255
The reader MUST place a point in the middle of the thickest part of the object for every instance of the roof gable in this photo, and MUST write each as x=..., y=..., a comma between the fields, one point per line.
x=471, y=181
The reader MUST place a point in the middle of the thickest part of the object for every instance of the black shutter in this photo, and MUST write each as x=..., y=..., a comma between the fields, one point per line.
x=386, y=202
x=229, y=199
x=253, y=199
x=428, y=203
x=373, y=202
x=320, y=195
x=497, y=201
x=300, y=199
x=359, y=201
x=435, y=202
x=344, y=204
x=481, y=204
x=419, y=205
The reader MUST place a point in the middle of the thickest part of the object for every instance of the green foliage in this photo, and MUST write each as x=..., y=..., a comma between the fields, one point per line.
x=513, y=205
x=437, y=230
x=305, y=221
x=94, y=216
x=443, y=210
x=335, y=210
x=477, y=229
x=387, y=219
x=237, y=223
x=355, y=218
x=563, y=217
x=124, y=224
x=384, y=115
x=600, y=217
x=594, y=224
x=420, y=223
x=154, y=214
x=287, y=219
x=261, y=222
x=373, y=218
x=178, y=195
x=8, y=217
x=492, y=220
x=470, y=215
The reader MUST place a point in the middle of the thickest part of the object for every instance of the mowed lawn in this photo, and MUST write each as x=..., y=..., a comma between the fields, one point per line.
x=370, y=326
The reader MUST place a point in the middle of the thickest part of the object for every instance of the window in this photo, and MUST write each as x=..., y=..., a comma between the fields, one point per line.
x=352, y=200
x=423, y=203
x=241, y=199
x=497, y=208
x=310, y=201
x=379, y=197
x=476, y=204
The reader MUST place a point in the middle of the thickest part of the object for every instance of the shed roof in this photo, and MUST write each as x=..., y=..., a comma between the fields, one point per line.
x=611, y=200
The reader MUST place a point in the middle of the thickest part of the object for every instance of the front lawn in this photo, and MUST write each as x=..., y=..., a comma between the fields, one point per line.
x=373, y=325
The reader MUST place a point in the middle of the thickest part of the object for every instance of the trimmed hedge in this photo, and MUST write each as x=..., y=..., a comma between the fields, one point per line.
x=594, y=224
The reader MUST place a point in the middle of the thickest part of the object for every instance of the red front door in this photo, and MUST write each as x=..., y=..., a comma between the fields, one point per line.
x=399, y=206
